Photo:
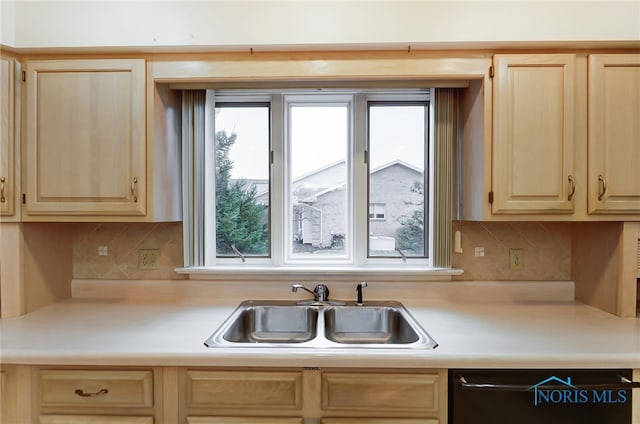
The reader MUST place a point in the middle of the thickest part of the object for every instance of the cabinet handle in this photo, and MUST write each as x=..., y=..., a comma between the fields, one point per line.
x=100, y=392
x=603, y=187
x=572, y=190
x=2, y=198
x=623, y=384
x=134, y=186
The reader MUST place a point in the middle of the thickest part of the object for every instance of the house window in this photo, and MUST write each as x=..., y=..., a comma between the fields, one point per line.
x=398, y=193
x=241, y=179
x=376, y=210
x=318, y=139
x=314, y=178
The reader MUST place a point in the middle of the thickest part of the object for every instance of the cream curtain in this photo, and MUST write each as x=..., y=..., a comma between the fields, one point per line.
x=445, y=140
x=193, y=145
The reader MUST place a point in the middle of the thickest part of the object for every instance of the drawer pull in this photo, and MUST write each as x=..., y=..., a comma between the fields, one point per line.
x=100, y=392
x=572, y=190
x=603, y=187
x=2, y=198
x=134, y=187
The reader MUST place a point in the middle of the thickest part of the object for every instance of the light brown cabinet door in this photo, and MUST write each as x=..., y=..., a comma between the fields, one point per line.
x=614, y=134
x=533, y=133
x=85, y=137
x=7, y=137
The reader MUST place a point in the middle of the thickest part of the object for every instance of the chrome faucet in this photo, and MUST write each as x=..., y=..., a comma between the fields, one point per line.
x=359, y=287
x=320, y=292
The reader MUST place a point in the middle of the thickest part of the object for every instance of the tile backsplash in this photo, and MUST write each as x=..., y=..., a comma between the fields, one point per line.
x=546, y=250
x=122, y=242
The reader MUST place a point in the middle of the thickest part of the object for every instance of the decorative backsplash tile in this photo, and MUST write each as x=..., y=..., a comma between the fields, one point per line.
x=546, y=250
x=122, y=242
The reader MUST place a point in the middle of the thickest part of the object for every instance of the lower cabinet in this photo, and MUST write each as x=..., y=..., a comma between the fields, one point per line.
x=172, y=395
x=327, y=396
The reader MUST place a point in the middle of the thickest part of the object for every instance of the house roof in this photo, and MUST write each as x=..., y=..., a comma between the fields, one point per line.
x=323, y=180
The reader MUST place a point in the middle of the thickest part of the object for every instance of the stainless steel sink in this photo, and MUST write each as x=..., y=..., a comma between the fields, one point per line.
x=368, y=325
x=384, y=325
x=273, y=324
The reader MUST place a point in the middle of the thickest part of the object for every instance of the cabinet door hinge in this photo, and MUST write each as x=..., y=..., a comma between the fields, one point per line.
x=491, y=71
x=24, y=199
x=24, y=76
x=491, y=197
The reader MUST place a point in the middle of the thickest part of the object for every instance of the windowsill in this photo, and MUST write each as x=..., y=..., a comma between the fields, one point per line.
x=257, y=272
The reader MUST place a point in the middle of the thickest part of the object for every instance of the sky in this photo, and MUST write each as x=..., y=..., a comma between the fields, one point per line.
x=320, y=137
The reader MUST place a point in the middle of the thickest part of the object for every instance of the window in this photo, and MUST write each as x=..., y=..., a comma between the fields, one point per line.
x=376, y=210
x=242, y=179
x=308, y=178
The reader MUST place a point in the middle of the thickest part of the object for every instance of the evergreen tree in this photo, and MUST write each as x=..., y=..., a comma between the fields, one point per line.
x=238, y=217
x=411, y=235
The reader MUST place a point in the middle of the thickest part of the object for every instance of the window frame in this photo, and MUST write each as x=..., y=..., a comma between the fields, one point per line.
x=277, y=261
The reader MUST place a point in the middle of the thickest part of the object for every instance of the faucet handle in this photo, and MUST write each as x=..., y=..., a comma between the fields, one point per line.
x=321, y=292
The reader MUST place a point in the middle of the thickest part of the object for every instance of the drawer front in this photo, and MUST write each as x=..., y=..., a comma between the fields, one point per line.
x=93, y=419
x=94, y=388
x=392, y=392
x=247, y=390
x=379, y=421
x=243, y=420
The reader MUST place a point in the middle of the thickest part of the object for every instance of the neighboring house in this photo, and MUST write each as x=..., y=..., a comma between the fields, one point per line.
x=321, y=205
x=319, y=202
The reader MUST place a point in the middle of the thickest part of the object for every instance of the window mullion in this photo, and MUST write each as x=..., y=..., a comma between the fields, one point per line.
x=360, y=186
x=278, y=188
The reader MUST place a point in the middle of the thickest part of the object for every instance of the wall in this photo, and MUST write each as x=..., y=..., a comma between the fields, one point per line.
x=302, y=24
x=547, y=250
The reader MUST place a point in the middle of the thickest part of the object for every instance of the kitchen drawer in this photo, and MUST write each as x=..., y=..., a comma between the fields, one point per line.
x=246, y=390
x=93, y=388
x=379, y=421
x=93, y=419
x=243, y=420
x=388, y=392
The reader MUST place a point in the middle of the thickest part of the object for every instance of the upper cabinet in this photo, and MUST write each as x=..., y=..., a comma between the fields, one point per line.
x=9, y=141
x=85, y=141
x=552, y=137
x=533, y=133
x=614, y=134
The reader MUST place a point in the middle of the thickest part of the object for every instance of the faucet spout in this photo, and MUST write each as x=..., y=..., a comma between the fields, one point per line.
x=320, y=292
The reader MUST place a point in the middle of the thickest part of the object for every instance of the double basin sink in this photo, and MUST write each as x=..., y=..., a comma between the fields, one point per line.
x=386, y=325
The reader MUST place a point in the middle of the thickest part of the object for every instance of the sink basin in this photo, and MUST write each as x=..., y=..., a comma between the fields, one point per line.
x=384, y=325
x=368, y=325
x=271, y=323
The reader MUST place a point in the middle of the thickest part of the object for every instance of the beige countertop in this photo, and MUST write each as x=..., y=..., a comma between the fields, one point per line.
x=471, y=333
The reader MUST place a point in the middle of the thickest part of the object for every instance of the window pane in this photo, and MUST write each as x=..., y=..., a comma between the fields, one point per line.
x=397, y=157
x=319, y=138
x=242, y=179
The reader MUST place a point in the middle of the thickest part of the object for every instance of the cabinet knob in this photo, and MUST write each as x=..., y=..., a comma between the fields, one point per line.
x=134, y=187
x=603, y=187
x=2, y=198
x=572, y=188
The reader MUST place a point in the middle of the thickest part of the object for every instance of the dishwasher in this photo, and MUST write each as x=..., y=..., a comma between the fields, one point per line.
x=540, y=396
